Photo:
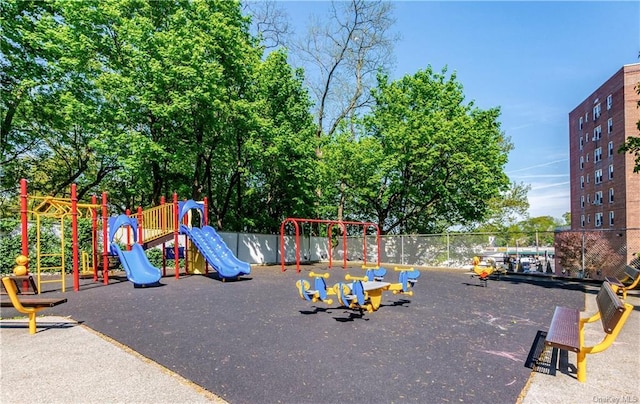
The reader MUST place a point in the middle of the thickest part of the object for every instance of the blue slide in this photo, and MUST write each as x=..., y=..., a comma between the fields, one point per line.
x=135, y=262
x=137, y=266
x=216, y=252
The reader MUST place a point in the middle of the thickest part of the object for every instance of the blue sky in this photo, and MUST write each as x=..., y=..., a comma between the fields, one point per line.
x=535, y=60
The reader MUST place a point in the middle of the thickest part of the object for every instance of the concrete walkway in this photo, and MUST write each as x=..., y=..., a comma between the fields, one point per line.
x=65, y=362
x=612, y=375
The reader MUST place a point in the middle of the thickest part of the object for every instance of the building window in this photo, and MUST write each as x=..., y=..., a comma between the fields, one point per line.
x=581, y=143
x=598, y=176
x=610, y=149
x=609, y=125
x=597, y=154
x=598, y=198
x=597, y=133
x=586, y=116
x=611, y=218
x=581, y=220
x=596, y=111
x=582, y=201
x=598, y=219
x=581, y=162
x=581, y=122
x=610, y=195
x=582, y=181
x=610, y=171
x=589, y=218
x=609, y=101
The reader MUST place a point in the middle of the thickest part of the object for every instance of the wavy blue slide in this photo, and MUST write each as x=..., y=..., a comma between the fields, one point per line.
x=137, y=266
x=216, y=252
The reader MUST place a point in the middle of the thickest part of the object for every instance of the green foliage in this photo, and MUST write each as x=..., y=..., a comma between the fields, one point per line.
x=10, y=244
x=430, y=161
x=145, y=98
x=632, y=146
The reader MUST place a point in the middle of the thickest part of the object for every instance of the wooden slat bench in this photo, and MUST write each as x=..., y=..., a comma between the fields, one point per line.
x=25, y=283
x=567, y=328
x=26, y=305
x=631, y=275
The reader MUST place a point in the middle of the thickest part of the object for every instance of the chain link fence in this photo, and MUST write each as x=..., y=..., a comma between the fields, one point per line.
x=592, y=254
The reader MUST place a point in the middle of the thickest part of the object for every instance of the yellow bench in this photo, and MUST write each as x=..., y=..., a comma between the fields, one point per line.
x=26, y=305
x=567, y=328
x=631, y=275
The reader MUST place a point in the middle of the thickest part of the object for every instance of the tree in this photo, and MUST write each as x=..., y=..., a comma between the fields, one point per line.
x=268, y=23
x=342, y=55
x=506, y=208
x=540, y=230
x=428, y=160
x=590, y=252
x=632, y=144
x=282, y=173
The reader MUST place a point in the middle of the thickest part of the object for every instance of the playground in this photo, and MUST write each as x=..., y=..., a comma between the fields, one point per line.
x=293, y=333
x=255, y=340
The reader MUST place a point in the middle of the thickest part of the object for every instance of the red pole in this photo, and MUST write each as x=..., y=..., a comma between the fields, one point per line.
x=128, y=230
x=74, y=237
x=282, y=245
x=105, y=240
x=176, y=234
x=206, y=211
x=295, y=225
x=94, y=238
x=344, y=243
x=282, y=257
x=24, y=220
x=140, y=224
x=163, y=226
x=187, y=244
x=330, y=249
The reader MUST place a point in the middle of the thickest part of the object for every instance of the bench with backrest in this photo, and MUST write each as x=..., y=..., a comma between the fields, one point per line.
x=25, y=283
x=26, y=305
x=631, y=275
x=567, y=328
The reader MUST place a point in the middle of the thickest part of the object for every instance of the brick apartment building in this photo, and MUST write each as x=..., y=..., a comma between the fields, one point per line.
x=605, y=192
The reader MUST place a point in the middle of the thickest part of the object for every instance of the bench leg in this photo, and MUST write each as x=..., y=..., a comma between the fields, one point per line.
x=582, y=367
x=32, y=322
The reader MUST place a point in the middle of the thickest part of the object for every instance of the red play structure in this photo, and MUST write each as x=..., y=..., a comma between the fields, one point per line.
x=330, y=223
x=156, y=226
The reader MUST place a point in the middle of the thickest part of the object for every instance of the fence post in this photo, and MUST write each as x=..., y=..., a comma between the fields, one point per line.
x=448, y=250
x=583, y=253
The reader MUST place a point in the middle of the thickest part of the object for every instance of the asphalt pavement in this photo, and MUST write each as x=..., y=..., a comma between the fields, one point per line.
x=201, y=340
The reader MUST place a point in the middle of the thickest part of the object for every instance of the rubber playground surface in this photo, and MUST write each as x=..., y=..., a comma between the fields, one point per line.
x=255, y=340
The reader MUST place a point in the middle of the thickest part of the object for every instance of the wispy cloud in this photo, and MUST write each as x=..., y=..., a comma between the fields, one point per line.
x=545, y=186
x=550, y=163
x=542, y=176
